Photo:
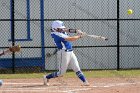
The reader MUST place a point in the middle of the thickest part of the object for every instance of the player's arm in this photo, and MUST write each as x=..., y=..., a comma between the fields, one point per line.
x=68, y=38
x=73, y=38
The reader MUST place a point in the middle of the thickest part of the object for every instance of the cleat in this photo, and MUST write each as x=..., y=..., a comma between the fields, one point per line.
x=86, y=84
x=46, y=81
x=1, y=83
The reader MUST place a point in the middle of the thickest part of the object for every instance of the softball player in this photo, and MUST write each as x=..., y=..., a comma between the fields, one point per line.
x=65, y=51
x=1, y=53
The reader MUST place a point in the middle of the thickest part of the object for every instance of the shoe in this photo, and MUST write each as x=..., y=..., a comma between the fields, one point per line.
x=46, y=81
x=1, y=83
x=86, y=83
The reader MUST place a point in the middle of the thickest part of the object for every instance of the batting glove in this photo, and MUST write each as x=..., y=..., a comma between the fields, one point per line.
x=83, y=34
x=79, y=31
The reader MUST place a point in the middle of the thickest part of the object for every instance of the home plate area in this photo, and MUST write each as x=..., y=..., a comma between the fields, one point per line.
x=72, y=85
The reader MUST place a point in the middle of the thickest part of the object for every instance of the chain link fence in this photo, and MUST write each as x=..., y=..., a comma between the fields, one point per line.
x=32, y=24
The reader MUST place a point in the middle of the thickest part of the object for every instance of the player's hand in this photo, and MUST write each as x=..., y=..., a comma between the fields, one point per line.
x=79, y=31
x=83, y=34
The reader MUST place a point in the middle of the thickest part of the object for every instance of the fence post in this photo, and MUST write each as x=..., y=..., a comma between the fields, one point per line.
x=12, y=33
x=42, y=33
x=118, y=37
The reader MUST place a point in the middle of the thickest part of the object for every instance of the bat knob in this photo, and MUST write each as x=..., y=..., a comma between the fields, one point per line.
x=106, y=39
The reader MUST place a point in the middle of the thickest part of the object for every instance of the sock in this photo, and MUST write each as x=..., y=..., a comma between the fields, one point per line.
x=81, y=76
x=52, y=75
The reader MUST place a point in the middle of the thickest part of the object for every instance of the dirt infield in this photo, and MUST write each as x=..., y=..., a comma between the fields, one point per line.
x=72, y=85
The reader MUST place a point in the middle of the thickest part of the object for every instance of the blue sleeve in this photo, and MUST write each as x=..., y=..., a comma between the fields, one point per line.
x=57, y=37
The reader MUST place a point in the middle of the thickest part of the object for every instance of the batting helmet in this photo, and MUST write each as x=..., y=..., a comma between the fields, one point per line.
x=57, y=24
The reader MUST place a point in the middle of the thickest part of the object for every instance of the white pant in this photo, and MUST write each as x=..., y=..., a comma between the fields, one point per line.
x=67, y=58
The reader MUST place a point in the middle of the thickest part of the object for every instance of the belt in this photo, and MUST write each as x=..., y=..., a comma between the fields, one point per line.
x=66, y=50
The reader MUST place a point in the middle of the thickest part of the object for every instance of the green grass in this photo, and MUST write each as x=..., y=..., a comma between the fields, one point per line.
x=107, y=73
x=19, y=76
x=113, y=73
x=88, y=74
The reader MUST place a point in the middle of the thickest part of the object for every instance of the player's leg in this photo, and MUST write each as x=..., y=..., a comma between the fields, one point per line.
x=63, y=60
x=75, y=66
x=55, y=74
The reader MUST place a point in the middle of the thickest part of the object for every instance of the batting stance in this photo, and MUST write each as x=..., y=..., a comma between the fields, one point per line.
x=65, y=51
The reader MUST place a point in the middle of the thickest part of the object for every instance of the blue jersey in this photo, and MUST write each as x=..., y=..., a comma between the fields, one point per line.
x=60, y=42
